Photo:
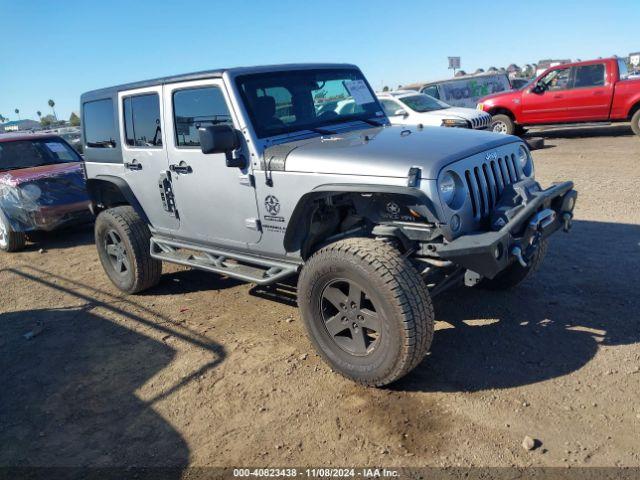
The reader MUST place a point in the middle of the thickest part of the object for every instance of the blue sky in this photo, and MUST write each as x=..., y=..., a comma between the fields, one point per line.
x=61, y=48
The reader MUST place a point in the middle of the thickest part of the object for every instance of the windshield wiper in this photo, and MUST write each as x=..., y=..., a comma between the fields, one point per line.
x=322, y=131
x=373, y=123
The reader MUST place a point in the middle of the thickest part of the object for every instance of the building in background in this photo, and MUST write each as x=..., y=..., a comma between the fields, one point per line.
x=19, y=125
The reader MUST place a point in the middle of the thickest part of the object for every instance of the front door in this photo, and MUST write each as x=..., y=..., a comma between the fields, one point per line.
x=145, y=159
x=216, y=204
x=548, y=105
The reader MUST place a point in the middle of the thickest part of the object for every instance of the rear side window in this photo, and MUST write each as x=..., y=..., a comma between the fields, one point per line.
x=622, y=67
x=99, y=129
x=589, y=76
x=142, y=121
x=197, y=107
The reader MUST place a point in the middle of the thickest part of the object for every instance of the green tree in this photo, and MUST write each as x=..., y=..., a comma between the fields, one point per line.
x=17, y=113
x=53, y=104
x=39, y=113
x=385, y=89
x=74, y=120
x=48, y=120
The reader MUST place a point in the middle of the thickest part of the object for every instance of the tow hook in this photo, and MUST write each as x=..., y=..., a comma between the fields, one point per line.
x=566, y=221
x=517, y=252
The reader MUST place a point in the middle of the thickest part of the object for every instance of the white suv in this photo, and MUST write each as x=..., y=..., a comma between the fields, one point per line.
x=412, y=108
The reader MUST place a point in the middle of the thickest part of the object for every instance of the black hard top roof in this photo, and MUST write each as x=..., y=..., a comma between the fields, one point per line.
x=206, y=74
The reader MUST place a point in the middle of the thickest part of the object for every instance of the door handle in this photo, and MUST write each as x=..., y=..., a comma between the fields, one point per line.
x=134, y=165
x=598, y=92
x=183, y=169
x=557, y=95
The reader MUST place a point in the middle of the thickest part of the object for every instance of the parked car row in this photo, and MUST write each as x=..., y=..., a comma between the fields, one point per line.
x=573, y=93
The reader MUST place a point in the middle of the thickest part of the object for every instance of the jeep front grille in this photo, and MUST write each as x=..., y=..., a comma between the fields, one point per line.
x=486, y=182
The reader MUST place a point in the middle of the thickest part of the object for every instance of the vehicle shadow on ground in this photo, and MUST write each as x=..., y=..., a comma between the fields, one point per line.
x=60, y=239
x=585, y=295
x=616, y=130
x=70, y=394
x=189, y=281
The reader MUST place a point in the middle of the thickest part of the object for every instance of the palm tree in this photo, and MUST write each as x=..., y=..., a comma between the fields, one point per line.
x=17, y=113
x=39, y=113
x=2, y=119
x=53, y=104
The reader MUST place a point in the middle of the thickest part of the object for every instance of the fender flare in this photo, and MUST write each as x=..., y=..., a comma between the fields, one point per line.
x=93, y=187
x=299, y=223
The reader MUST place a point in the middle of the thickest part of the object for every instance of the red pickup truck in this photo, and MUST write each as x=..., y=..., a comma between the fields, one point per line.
x=582, y=92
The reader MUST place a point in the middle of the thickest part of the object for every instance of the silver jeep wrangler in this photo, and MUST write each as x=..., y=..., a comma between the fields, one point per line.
x=253, y=173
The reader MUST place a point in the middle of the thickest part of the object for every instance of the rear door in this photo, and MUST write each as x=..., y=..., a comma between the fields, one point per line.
x=145, y=158
x=549, y=105
x=591, y=94
x=216, y=203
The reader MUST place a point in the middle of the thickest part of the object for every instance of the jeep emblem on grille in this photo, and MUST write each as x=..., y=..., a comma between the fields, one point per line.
x=491, y=155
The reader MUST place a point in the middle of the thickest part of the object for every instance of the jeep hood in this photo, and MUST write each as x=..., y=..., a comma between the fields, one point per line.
x=385, y=152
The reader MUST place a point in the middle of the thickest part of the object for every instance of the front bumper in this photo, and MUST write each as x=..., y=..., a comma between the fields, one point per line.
x=539, y=214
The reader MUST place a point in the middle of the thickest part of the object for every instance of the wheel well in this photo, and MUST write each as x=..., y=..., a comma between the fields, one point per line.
x=109, y=192
x=323, y=217
x=502, y=111
x=634, y=109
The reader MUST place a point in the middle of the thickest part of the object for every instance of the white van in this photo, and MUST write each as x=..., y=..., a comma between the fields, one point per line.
x=464, y=91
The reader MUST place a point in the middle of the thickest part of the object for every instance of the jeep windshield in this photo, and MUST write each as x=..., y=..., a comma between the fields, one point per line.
x=298, y=100
x=35, y=153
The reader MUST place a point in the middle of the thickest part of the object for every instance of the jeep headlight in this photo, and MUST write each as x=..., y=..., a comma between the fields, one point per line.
x=525, y=160
x=450, y=187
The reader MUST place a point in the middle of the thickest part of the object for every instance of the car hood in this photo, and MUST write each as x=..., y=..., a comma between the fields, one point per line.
x=14, y=178
x=385, y=151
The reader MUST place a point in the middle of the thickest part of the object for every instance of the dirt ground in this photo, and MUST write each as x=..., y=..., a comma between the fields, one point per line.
x=204, y=370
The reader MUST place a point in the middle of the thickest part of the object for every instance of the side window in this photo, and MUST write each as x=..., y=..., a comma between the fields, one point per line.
x=557, y=79
x=390, y=107
x=622, y=67
x=197, y=107
x=432, y=90
x=589, y=76
x=142, y=121
x=99, y=129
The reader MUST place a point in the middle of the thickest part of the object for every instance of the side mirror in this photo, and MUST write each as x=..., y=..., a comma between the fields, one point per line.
x=218, y=139
x=539, y=87
x=401, y=112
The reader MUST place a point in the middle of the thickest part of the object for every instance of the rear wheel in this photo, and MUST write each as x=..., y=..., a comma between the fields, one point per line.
x=635, y=123
x=10, y=241
x=122, y=240
x=502, y=124
x=515, y=273
x=366, y=309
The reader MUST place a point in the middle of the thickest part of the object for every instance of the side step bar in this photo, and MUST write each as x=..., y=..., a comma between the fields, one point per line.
x=226, y=262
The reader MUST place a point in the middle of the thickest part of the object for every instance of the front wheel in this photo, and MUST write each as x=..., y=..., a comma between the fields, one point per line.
x=10, y=240
x=635, y=123
x=366, y=309
x=503, y=124
x=122, y=240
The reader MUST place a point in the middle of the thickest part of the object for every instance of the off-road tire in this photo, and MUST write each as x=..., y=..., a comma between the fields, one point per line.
x=515, y=273
x=509, y=125
x=10, y=241
x=635, y=122
x=519, y=130
x=144, y=271
x=398, y=293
